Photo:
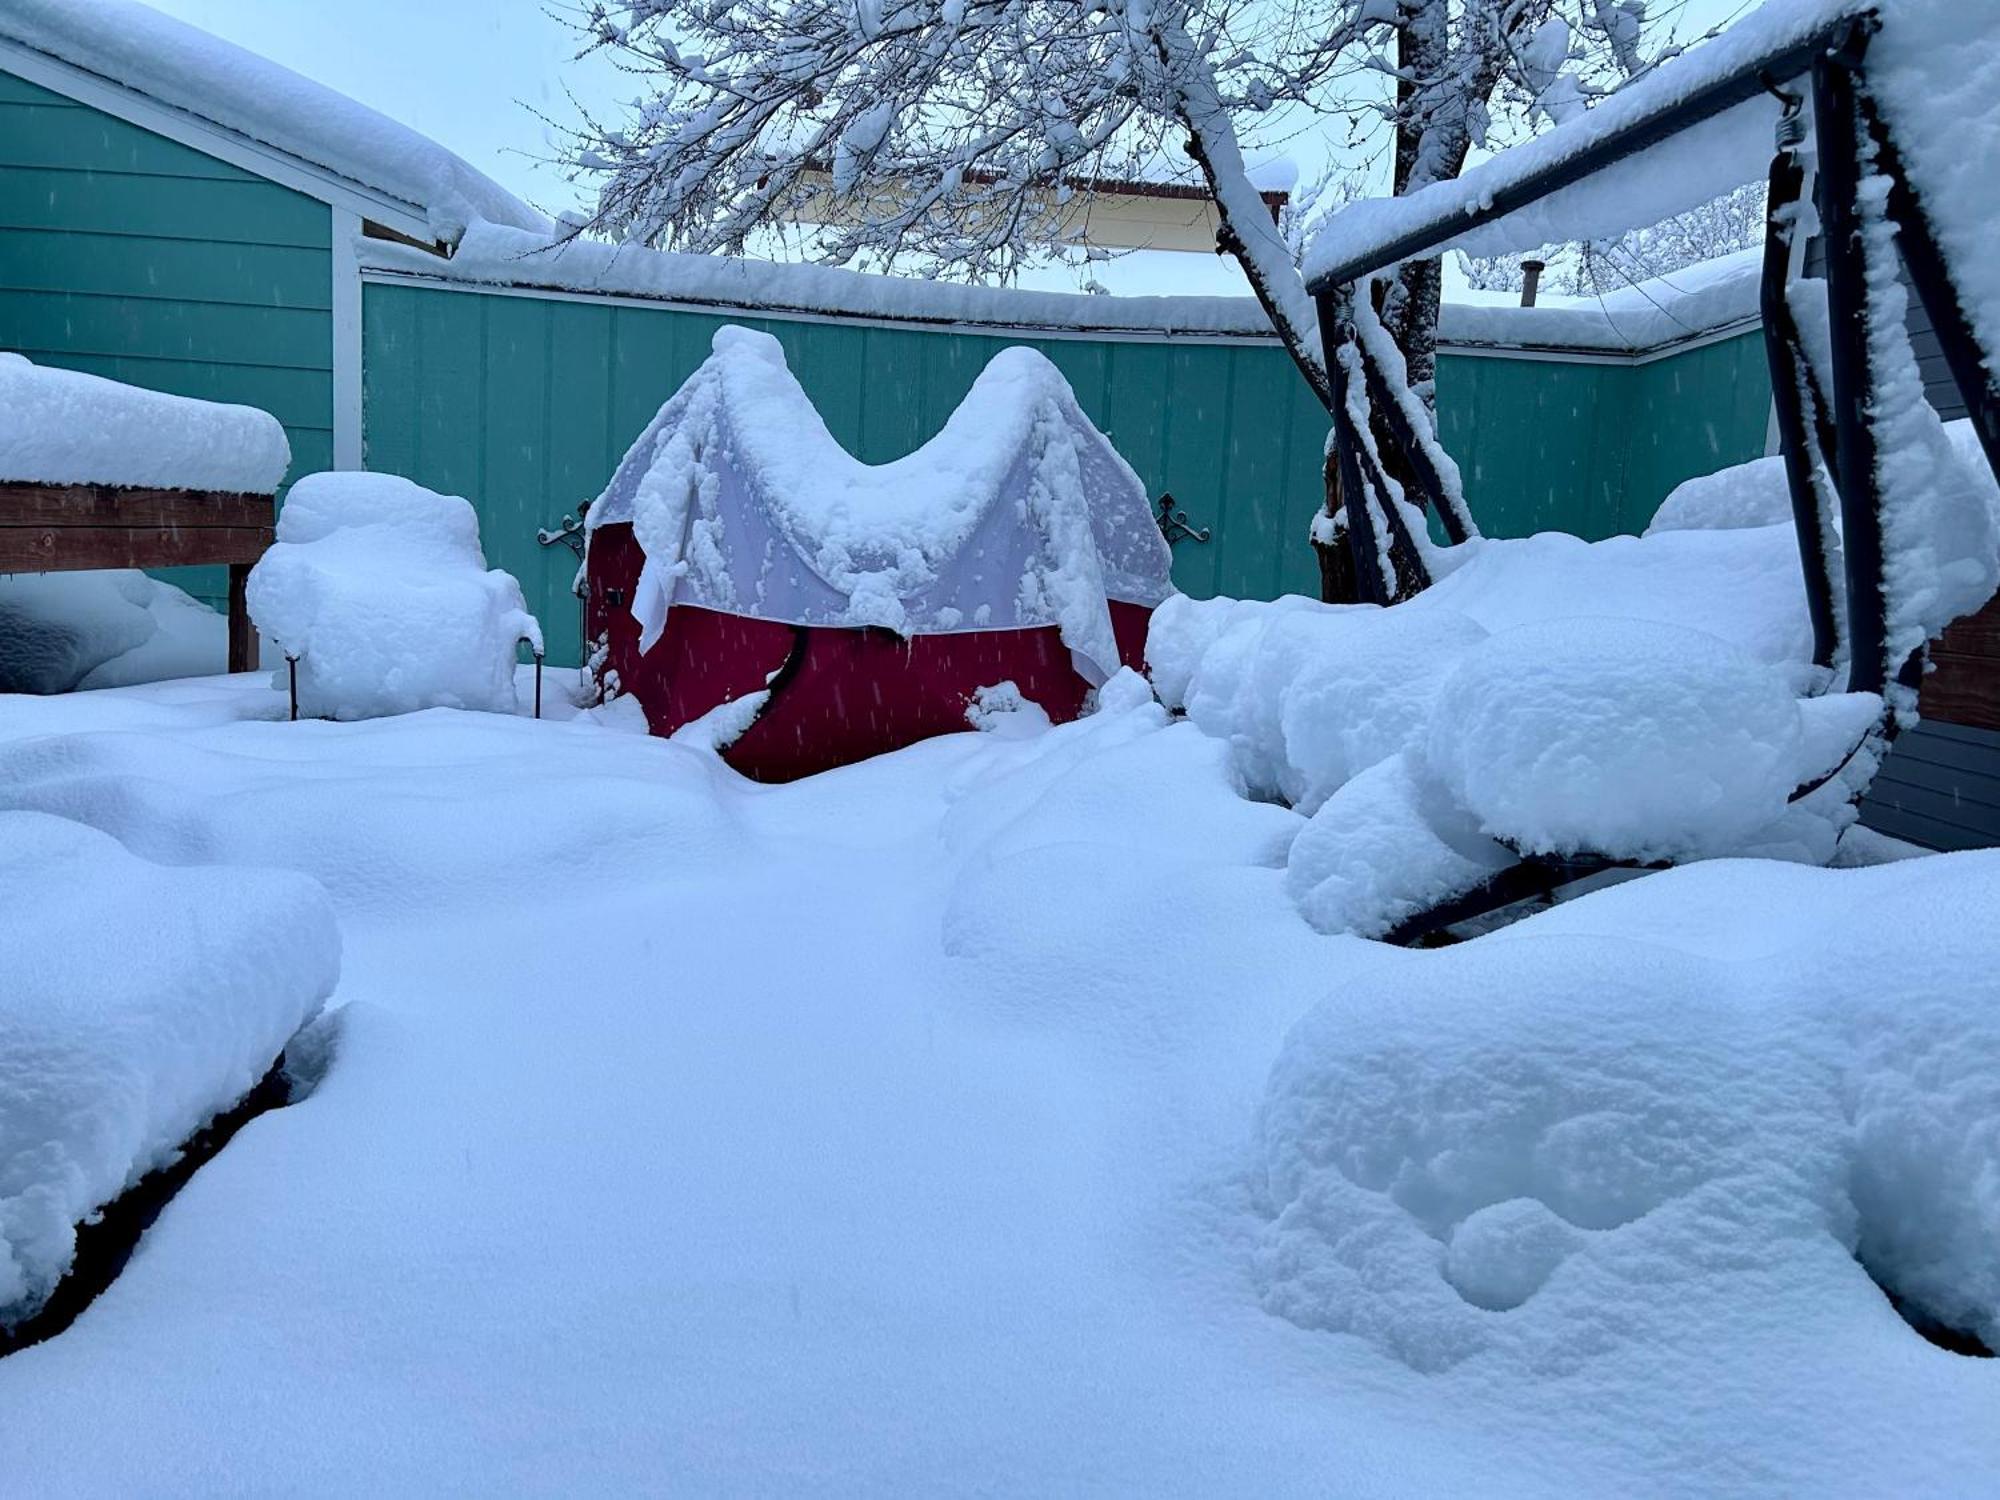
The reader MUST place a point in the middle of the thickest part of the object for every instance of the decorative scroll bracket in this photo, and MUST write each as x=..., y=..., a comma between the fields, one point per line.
x=1174, y=524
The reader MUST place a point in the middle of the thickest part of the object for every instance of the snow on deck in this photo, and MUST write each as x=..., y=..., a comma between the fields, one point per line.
x=899, y=1131
x=65, y=427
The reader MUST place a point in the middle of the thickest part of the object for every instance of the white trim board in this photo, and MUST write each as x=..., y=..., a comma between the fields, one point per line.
x=375, y=275
x=348, y=448
x=212, y=139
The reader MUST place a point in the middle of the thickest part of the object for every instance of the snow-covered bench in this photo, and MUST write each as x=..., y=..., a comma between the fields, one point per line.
x=99, y=475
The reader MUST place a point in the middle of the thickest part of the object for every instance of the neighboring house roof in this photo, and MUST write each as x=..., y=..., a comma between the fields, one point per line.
x=134, y=62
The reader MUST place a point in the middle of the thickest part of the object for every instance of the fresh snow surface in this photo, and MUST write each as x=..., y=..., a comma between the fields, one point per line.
x=65, y=427
x=1721, y=153
x=136, y=1003
x=1642, y=699
x=187, y=69
x=90, y=629
x=897, y=1131
x=378, y=588
x=1017, y=513
x=1608, y=1148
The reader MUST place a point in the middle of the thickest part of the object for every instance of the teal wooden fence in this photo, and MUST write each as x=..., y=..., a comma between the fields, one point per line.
x=130, y=256
x=525, y=403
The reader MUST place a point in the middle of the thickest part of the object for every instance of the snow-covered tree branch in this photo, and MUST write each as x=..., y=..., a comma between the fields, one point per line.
x=971, y=137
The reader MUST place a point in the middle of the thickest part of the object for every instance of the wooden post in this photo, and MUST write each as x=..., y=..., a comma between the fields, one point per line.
x=242, y=638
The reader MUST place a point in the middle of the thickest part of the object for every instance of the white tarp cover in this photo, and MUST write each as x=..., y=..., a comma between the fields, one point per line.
x=1018, y=514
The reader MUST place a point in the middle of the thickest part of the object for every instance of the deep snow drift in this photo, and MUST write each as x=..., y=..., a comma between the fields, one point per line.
x=136, y=1003
x=898, y=1130
x=94, y=629
x=378, y=588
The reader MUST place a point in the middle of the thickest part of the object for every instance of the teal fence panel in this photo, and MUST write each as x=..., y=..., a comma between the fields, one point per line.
x=525, y=404
x=127, y=255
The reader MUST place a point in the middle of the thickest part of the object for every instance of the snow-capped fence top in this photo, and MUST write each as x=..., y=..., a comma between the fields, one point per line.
x=188, y=69
x=1018, y=514
x=1637, y=157
x=63, y=427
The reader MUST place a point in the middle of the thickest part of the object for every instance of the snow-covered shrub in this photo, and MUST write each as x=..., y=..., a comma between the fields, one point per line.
x=114, y=1052
x=379, y=589
x=1652, y=1123
x=60, y=631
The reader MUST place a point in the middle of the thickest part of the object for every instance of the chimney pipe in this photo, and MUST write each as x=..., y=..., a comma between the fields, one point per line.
x=1531, y=280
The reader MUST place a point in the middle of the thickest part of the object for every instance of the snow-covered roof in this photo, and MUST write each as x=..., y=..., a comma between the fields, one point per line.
x=1724, y=151
x=166, y=63
x=1018, y=514
x=64, y=427
x=1655, y=313
x=1709, y=298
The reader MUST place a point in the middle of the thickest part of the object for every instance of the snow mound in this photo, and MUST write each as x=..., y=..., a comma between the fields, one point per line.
x=1732, y=499
x=1309, y=698
x=63, y=427
x=113, y=1053
x=1620, y=737
x=60, y=631
x=1685, y=1117
x=379, y=589
x=1384, y=848
x=1017, y=514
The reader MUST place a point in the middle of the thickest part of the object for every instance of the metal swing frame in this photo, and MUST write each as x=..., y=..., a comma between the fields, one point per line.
x=1828, y=437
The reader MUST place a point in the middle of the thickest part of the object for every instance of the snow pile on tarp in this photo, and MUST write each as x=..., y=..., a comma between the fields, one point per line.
x=60, y=631
x=188, y=69
x=64, y=427
x=1018, y=514
x=138, y=1002
x=379, y=589
x=1637, y=699
x=1651, y=1125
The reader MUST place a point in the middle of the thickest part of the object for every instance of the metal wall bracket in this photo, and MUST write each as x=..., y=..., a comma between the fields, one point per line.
x=570, y=533
x=1174, y=525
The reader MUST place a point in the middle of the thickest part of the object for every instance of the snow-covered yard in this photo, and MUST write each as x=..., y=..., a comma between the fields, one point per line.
x=914, y=1128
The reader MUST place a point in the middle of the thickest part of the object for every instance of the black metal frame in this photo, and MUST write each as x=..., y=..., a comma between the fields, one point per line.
x=1828, y=437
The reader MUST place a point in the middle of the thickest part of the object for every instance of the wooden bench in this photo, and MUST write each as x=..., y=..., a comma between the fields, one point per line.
x=53, y=528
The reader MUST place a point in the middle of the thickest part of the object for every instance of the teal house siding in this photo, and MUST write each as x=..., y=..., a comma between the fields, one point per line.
x=128, y=255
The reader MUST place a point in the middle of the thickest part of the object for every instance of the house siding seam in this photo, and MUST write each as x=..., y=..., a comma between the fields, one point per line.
x=127, y=255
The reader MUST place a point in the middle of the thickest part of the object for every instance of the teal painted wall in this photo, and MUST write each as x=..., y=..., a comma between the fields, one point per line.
x=1593, y=449
x=526, y=404
x=128, y=255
